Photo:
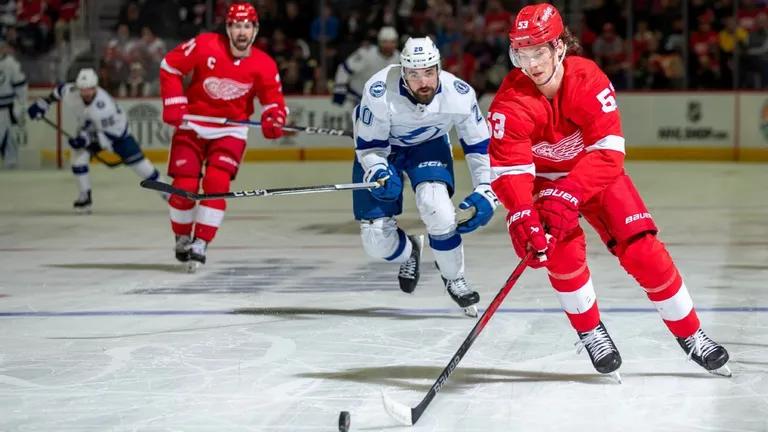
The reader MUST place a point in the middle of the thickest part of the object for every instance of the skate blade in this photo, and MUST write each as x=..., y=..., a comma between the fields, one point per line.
x=192, y=266
x=723, y=371
x=471, y=311
x=83, y=211
x=616, y=377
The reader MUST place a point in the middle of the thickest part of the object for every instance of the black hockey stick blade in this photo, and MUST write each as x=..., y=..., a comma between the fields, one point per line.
x=409, y=416
x=165, y=187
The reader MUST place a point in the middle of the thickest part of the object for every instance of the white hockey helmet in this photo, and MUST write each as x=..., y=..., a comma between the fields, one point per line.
x=87, y=78
x=387, y=33
x=419, y=53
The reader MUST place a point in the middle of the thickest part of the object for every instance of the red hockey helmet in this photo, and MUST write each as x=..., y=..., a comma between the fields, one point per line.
x=534, y=25
x=242, y=12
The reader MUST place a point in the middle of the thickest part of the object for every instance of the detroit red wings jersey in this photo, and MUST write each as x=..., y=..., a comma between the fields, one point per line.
x=222, y=85
x=534, y=136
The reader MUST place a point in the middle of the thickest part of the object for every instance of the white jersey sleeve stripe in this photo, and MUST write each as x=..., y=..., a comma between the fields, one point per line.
x=170, y=69
x=610, y=142
x=552, y=175
x=497, y=172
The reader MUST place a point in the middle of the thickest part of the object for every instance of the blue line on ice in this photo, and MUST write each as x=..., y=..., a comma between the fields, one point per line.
x=330, y=311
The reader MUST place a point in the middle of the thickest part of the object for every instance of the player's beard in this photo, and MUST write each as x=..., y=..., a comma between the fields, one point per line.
x=241, y=43
x=425, y=94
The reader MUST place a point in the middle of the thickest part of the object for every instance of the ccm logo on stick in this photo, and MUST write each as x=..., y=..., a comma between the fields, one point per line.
x=324, y=131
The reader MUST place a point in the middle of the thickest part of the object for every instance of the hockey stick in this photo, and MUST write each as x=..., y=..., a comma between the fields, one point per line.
x=409, y=416
x=306, y=129
x=165, y=187
x=95, y=155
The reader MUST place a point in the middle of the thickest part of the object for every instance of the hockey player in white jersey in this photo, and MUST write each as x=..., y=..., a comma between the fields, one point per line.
x=13, y=100
x=362, y=64
x=102, y=125
x=402, y=125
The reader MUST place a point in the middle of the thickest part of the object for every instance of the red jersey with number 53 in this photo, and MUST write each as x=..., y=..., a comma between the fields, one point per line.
x=535, y=136
x=222, y=85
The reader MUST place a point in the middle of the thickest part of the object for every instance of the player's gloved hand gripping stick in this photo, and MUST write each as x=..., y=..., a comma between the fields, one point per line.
x=305, y=129
x=94, y=153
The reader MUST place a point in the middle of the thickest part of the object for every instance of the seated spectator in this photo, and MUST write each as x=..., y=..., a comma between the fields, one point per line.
x=192, y=17
x=608, y=51
x=732, y=38
x=497, y=22
x=34, y=26
x=325, y=27
x=63, y=13
x=705, y=53
x=136, y=85
x=668, y=70
x=293, y=22
x=149, y=51
x=461, y=64
x=7, y=14
x=756, y=62
x=130, y=16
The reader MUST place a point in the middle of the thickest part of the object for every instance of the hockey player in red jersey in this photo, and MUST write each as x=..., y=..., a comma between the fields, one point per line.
x=557, y=151
x=227, y=73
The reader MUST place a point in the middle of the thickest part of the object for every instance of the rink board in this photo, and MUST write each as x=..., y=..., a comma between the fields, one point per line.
x=658, y=126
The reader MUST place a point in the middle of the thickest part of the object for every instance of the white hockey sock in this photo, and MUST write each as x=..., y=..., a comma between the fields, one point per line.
x=84, y=182
x=145, y=169
x=451, y=262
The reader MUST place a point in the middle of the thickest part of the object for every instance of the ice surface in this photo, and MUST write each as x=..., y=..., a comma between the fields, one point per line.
x=290, y=323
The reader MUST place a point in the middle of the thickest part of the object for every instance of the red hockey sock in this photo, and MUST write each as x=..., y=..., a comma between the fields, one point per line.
x=648, y=261
x=210, y=213
x=183, y=210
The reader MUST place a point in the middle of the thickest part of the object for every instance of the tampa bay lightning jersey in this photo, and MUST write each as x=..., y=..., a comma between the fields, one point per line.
x=102, y=116
x=388, y=115
x=13, y=83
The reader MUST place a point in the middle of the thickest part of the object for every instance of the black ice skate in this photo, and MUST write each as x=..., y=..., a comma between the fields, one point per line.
x=183, y=242
x=409, y=270
x=706, y=353
x=83, y=203
x=196, y=255
x=603, y=353
x=464, y=296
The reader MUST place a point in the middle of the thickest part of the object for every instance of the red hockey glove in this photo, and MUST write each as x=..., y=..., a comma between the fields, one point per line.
x=527, y=233
x=558, y=205
x=174, y=110
x=272, y=122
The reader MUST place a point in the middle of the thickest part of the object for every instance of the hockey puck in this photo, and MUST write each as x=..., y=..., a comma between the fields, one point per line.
x=344, y=420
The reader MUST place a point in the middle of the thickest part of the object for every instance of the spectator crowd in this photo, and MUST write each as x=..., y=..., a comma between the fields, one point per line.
x=721, y=45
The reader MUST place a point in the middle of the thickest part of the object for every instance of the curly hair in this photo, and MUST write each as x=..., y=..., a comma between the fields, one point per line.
x=572, y=42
